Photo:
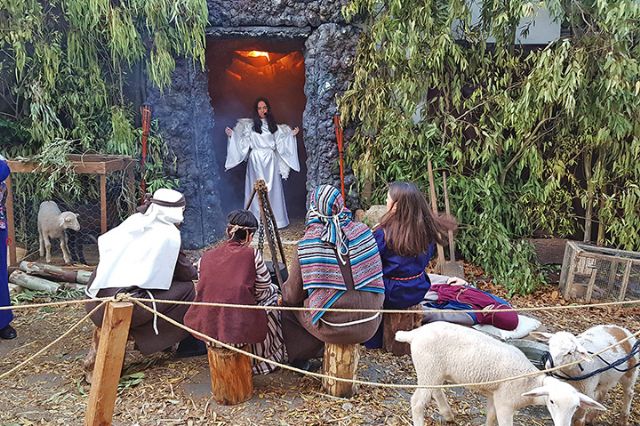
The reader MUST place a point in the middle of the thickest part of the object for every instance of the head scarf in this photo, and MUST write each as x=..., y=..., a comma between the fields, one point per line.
x=331, y=237
x=142, y=251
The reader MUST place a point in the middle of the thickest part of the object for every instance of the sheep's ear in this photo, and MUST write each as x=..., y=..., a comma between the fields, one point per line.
x=67, y=219
x=62, y=220
x=541, y=391
x=77, y=215
x=540, y=336
x=583, y=353
x=586, y=402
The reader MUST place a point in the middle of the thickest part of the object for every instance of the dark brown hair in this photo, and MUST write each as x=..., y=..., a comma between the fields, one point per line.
x=240, y=225
x=412, y=227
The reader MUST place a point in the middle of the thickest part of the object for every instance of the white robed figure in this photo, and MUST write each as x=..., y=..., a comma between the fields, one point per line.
x=270, y=152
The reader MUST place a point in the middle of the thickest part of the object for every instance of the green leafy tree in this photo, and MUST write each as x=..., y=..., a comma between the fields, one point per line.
x=525, y=133
x=63, y=69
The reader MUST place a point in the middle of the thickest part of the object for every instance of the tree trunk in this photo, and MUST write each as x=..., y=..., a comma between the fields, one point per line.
x=396, y=322
x=33, y=283
x=340, y=361
x=231, y=377
x=55, y=272
x=589, y=206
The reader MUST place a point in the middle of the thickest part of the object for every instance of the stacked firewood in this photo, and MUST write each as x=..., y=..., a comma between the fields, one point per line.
x=48, y=278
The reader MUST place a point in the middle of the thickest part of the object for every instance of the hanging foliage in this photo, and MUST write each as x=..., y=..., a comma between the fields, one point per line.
x=63, y=66
x=532, y=137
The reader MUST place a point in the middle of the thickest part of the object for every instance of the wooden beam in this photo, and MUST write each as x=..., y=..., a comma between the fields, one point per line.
x=612, y=276
x=108, y=364
x=625, y=281
x=592, y=282
x=103, y=204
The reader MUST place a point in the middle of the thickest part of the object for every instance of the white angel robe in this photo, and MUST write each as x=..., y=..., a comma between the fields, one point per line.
x=270, y=156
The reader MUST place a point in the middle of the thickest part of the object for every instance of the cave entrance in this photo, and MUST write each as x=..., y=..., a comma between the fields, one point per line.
x=241, y=70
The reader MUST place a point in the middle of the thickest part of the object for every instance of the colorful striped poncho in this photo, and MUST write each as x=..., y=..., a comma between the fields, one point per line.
x=329, y=238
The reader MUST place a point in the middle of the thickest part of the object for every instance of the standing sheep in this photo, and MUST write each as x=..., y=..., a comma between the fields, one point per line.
x=445, y=352
x=566, y=348
x=51, y=224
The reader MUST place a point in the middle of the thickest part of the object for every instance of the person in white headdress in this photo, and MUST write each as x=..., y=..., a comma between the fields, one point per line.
x=142, y=257
x=271, y=152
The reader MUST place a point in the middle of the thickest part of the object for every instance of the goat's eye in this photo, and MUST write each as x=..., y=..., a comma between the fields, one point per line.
x=552, y=401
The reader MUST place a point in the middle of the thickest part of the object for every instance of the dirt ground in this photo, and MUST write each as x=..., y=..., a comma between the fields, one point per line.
x=163, y=390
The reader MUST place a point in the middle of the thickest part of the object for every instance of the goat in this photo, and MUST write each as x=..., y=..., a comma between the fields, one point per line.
x=445, y=352
x=565, y=348
x=51, y=224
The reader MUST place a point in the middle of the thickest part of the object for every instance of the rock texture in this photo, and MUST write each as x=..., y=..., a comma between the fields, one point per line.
x=186, y=121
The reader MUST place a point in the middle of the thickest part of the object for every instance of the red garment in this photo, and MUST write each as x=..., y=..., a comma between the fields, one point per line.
x=474, y=298
x=228, y=275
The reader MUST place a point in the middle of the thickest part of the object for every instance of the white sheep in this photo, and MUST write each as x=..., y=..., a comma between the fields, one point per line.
x=445, y=352
x=51, y=224
x=566, y=348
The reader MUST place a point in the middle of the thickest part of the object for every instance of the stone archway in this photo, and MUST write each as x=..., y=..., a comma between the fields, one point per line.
x=189, y=122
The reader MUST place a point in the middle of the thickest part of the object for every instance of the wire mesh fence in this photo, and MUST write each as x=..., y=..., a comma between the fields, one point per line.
x=600, y=273
x=96, y=208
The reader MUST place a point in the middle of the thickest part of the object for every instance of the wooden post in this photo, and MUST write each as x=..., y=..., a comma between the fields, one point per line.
x=231, y=376
x=592, y=282
x=340, y=361
x=108, y=364
x=612, y=276
x=395, y=322
x=625, y=281
x=434, y=208
x=13, y=258
x=103, y=204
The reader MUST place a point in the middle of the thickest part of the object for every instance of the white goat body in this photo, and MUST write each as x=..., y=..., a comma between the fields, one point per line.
x=565, y=348
x=444, y=352
x=51, y=224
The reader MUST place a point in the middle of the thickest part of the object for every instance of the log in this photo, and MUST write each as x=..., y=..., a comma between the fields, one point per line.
x=340, y=361
x=33, y=283
x=396, y=322
x=108, y=363
x=55, y=272
x=231, y=376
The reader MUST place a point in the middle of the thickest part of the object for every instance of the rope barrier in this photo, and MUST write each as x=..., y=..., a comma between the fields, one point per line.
x=387, y=311
x=356, y=381
x=303, y=309
x=61, y=303
x=41, y=351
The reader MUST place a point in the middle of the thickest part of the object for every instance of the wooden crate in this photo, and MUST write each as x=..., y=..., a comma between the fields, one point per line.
x=598, y=272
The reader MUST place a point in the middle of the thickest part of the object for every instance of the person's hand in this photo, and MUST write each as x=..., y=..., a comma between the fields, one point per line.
x=228, y=131
x=456, y=281
x=295, y=131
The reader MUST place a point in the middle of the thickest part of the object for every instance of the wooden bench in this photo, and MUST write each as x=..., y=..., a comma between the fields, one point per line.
x=340, y=361
x=396, y=322
x=231, y=376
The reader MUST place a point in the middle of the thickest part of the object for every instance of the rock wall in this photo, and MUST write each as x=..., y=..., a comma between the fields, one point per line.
x=329, y=56
x=275, y=13
x=186, y=122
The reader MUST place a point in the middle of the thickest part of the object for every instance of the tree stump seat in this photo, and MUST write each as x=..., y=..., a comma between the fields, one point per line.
x=396, y=322
x=231, y=375
x=340, y=361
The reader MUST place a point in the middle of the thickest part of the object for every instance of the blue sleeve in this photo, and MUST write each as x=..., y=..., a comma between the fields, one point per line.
x=4, y=170
x=431, y=251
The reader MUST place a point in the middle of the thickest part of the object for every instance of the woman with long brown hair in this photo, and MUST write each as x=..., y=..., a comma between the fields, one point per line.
x=406, y=238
